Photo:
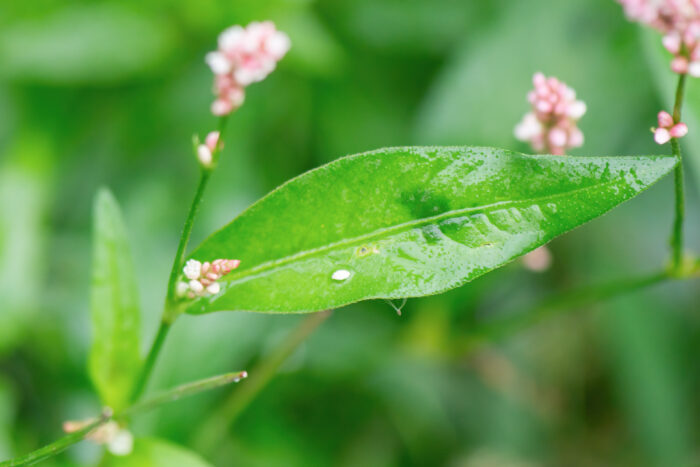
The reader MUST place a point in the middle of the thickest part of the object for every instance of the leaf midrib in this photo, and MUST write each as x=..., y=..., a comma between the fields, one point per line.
x=262, y=267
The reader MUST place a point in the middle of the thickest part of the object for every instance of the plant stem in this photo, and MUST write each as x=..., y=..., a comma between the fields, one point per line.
x=150, y=360
x=215, y=428
x=557, y=304
x=56, y=447
x=182, y=245
x=184, y=390
x=176, y=393
x=677, y=234
x=172, y=309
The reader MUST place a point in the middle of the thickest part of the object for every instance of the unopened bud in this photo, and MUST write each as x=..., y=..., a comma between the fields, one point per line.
x=204, y=155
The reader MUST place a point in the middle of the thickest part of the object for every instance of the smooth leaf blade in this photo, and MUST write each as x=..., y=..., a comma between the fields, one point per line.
x=407, y=222
x=114, y=355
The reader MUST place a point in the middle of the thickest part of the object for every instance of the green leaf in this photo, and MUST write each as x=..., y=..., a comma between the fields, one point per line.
x=151, y=452
x=407, y=222
x=114, y=356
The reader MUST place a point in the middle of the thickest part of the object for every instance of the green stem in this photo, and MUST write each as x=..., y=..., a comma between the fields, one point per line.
x=677, y=234
x=176, y=393
x=555, y=305
x=184, y=390
x=215, y=428
x=172, y=308
x=150, y=361
x=182, y=246
x=56, y=447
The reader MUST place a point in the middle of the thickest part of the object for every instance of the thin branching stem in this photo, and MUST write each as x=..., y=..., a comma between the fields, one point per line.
x=176, y=393
x=56, y=447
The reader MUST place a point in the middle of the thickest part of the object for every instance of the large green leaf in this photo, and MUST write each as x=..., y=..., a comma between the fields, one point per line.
x=152, y=452
x=408, y=222
x=114, y=356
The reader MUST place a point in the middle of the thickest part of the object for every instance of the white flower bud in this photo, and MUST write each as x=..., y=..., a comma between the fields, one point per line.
x=122, y=444
x=181, y=289
x=204, y=155
x=214, y=288
x=192, y=269
x=218, y=63
x=196, y=287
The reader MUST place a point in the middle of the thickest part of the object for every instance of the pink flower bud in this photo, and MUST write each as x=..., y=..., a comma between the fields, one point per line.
x=212, y=140
x=672, y=42
x=662, y=136
x=538, y=260
x=679, y=65
x=218, y=62
x=576, y=138
x=221, y=107
x=539, y=79
x=665, y=119
x=679, y=130
x=557, y=137
x=577, y=109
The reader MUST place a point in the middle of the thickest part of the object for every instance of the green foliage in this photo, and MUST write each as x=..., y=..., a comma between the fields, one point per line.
x=114, y=356
x=98, y=43
x=407, y=222
x=152, y=452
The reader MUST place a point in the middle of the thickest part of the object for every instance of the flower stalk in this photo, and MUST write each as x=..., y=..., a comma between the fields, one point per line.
x=107, y=416
x=677, y=233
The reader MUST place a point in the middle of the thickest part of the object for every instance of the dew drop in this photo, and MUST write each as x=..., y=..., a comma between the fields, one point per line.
x=340, y=275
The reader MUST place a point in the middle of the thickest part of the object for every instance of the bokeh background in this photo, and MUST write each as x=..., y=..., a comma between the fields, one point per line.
x=109, y=93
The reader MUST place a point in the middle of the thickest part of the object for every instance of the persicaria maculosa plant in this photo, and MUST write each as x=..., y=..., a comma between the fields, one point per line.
x=386, y=224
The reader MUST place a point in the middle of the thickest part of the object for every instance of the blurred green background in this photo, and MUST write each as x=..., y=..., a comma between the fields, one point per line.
x=109, y=93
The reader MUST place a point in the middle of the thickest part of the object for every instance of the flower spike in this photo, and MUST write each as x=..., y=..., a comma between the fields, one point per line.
x=244, y=56
x=551, y=126
x=202, y=277
x=679, y=22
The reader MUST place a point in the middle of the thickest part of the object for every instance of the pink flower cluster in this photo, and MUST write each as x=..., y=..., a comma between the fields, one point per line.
x=551, y=125
x=668, y=128
x=202, y=277
x=245, y=56
x=679, y=21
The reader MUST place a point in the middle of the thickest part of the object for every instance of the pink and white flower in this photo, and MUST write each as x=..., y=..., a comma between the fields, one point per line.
x=244, y=56
x=679, y=22
x=206, y=151
x=668, y=128
x=551, y=125
x=202, y=277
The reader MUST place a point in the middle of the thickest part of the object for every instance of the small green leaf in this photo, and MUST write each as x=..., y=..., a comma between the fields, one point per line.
x=114, y=357
x=407, y=222
x=151, y=452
